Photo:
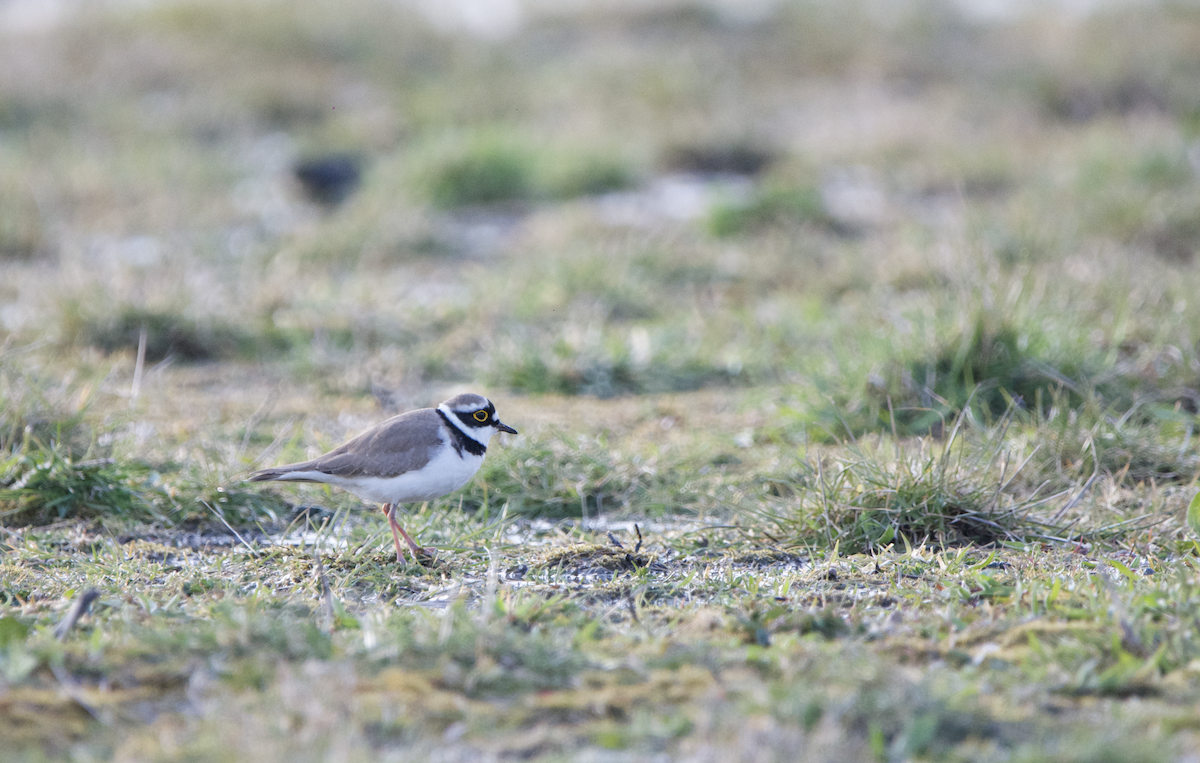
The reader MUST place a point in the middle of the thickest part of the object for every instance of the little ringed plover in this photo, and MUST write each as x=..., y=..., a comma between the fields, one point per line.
x=416, y=456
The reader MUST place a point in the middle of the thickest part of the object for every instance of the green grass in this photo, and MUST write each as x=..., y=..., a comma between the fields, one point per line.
x=487, y=171
x=39, y=485
x=590, y=668
x=774, y=207
x=886, y=459
x=497, y=168
x=167, y=334
x=21, y=226
x=946, y=495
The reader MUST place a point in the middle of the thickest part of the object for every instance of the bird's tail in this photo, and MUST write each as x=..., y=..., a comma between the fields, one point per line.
x=276, y=473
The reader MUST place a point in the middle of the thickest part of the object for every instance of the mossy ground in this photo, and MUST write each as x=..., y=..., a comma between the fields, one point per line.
x=852, y=346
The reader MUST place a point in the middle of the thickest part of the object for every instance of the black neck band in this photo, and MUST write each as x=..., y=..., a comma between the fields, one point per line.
x=460, y=440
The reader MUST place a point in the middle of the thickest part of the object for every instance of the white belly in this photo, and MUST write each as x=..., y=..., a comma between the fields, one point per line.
x=444, y=474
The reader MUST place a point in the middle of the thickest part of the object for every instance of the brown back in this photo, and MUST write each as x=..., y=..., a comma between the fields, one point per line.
x=401, y=444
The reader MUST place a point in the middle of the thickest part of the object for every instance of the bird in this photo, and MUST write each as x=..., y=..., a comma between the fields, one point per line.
x=416, y=456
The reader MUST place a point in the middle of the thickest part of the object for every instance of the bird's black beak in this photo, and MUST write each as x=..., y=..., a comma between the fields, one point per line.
x=505, y=428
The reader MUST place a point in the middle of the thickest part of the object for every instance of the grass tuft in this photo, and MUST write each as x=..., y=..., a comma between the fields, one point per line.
x=568, y=175
x=495, y=168
x=486, y=170
x=40, y=485
x=1149, y=442
x=788, y=207
x=947, y=494
x=21, y=228
x=603, y=377
x=168, y=334
x=985, y=366
x=34, y=408
x=561, y=476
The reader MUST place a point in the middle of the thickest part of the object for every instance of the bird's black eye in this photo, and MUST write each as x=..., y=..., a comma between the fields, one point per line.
x=481, y=416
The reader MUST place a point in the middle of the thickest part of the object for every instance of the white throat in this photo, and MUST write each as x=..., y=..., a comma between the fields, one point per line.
x=481, y=435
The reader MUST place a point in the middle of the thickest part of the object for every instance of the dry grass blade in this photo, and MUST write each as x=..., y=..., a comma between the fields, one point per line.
x=78, y=609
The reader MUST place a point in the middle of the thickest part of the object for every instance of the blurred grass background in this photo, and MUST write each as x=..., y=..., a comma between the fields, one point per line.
x=853, y=217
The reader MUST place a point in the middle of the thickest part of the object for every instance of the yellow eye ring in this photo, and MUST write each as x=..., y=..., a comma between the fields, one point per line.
x=481, y=415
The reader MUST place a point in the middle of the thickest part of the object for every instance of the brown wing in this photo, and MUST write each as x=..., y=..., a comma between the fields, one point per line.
x=401, y=444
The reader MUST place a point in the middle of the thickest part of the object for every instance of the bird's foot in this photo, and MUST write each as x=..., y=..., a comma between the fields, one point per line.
x=418, y=552
x=423, y=555
x=420, y=555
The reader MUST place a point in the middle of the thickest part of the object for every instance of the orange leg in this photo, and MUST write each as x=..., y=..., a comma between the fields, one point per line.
x=389, y=509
